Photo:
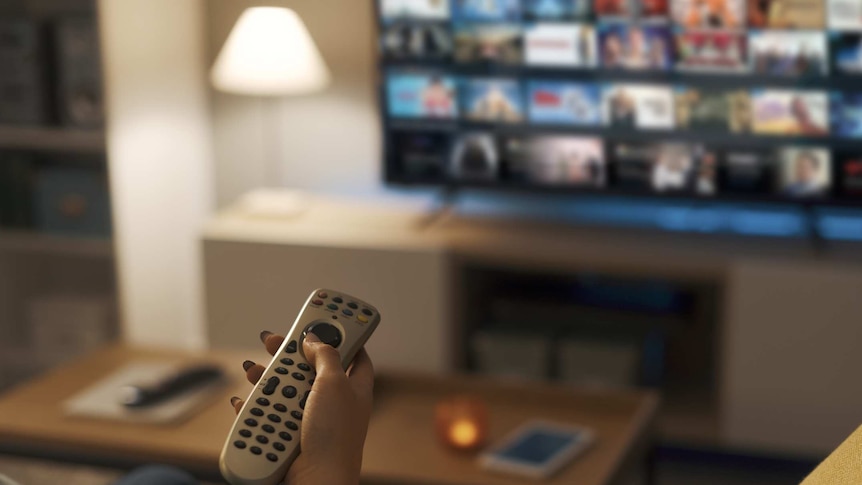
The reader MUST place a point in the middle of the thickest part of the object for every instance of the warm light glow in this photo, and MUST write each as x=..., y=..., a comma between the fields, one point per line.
x=463, y=433
x=269, y=53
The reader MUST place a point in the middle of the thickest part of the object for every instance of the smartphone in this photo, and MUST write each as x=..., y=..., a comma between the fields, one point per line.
x=537, y=449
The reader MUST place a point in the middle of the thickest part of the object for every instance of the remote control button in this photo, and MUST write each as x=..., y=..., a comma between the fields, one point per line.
x=327, y=333
x=281, y=370
x=268, y=428
x=288, y=392
x=280, y=408
x=287, y=361
x=263, y=401
x=311, y=381
x=296, y=415
x=271, y=385
x=317, y=301
x=245, y=433
x=347, y=312
x=367, y=312
x=332, y=306
x=285, y=436
x=338, y=299
x=272, y=457
x=353, y=305
x=298, y=376
x=291, y=347
x=304, y=366
x=256, y=412
x=262, y=439
x=274, y=418
x=239, y=444
x=291, y=425
x=251, y=422
x=322, y=294
x=302, y=401
x=362, y=319
x=255, y=450
x=278, y=446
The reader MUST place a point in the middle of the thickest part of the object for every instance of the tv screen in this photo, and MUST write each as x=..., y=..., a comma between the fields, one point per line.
x=703, y=99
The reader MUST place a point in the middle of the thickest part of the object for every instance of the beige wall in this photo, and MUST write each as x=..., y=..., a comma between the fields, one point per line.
x=328, y=141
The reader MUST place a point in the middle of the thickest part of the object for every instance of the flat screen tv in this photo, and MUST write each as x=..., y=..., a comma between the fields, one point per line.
x=701, y=99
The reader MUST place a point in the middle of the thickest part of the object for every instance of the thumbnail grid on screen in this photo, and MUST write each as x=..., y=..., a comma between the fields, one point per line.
x=752, y=98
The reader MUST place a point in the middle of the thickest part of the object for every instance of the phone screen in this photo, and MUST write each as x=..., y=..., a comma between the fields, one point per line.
x=538, y=446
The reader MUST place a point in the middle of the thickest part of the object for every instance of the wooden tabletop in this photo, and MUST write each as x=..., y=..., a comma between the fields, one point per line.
x=401, y=446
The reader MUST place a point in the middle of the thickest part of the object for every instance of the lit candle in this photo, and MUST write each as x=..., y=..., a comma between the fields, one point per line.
x=462, y=422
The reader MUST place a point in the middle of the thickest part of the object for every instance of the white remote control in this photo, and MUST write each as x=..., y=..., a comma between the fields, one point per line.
x=264, y=440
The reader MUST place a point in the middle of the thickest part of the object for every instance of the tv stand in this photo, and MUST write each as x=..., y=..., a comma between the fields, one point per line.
x=444, y=207
x=781, y=316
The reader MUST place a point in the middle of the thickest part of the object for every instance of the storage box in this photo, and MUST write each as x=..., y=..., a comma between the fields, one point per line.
x=512, y=354
x=79, y=89
x=73, y=201
x=23, y=91
x=595, y=362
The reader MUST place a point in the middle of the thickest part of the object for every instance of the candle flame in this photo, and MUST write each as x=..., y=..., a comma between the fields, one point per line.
x=463, y=433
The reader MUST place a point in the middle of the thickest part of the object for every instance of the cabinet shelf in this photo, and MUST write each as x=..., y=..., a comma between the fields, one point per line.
x=52, y=139
x=38, y=243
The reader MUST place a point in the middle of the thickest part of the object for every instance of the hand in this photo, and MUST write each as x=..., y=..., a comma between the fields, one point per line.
x=335, y=419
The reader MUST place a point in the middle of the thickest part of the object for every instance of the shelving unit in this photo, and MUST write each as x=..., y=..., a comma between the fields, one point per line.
x=33, y=242
x=52, y=139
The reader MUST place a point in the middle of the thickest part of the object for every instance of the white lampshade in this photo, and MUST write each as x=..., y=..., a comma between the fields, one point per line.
x=269, y=53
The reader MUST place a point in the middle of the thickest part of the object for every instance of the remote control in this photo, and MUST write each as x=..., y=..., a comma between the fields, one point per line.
x=264, y=439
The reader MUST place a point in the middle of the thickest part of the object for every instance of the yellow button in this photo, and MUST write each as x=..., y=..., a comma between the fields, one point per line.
x=362, y=318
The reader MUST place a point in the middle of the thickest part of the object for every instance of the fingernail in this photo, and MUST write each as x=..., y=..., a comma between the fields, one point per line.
x=312, y=337
x=265, y=335
x=247, y=365
x=234, y=400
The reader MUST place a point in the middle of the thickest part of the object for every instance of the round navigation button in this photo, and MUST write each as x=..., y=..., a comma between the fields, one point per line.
x=327, y=333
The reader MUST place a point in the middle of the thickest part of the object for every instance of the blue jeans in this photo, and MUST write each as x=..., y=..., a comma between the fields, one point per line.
x=157, y=475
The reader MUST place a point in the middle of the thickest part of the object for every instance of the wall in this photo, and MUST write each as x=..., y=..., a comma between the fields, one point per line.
x=159, y=151
x=327, y=141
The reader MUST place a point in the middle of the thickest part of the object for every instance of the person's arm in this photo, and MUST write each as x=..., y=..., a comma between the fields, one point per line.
x=335, y=419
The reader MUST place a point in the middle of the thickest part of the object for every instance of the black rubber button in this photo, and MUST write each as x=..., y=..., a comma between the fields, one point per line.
x=328, y=333
x=291, y=425
x=274, y=418
x=255, y=450
x=296, y=415
x=332, y=306
x=245, y=433
x=298, y=376
x=272, y=457
x=268, y=428
x=338, y=299
x=287, y=361
x=311, y=381
x=262, y=439
x=347, y=312
x=353, y=305
x=288, y=392
x=291, y=347
x=278, y=446
x=280, y=407
x=367, y=312
x=239, y=444
x=271, y=384
x=251, y=422
x=303, y=400
x=257, y=412
x=281, y=370
x=303, y=366
x=263, y=401
x=285, y=436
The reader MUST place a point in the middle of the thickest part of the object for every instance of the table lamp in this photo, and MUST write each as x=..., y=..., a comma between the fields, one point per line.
x=269, y=53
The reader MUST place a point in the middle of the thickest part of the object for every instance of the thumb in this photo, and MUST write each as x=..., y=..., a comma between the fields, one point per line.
x=323, y=357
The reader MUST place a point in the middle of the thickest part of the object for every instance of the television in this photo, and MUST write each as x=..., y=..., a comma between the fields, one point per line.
x=731, y=100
